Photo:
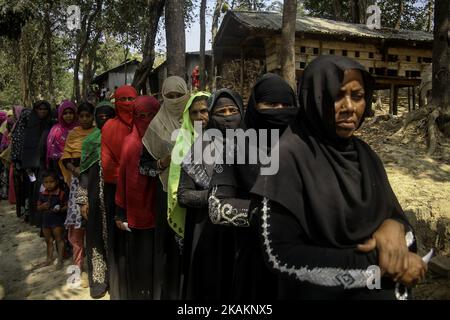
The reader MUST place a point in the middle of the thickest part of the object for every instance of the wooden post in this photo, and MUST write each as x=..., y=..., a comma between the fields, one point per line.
x=395, y=104
x=242, y=72
x=414, y=98
x=409, y=99
x=391, y=99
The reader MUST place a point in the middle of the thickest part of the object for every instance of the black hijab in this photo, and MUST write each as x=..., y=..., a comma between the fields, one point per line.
x=201, y=173
x=338, y=189
x=35, y=137
x=271, y=88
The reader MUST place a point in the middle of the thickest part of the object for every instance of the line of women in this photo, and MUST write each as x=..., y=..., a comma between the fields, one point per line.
x=161, y=223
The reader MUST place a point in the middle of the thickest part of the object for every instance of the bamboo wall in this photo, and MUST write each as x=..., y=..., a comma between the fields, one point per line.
x=402, y=62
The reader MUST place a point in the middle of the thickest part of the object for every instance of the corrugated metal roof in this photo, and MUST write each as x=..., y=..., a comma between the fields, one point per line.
x=273, y=21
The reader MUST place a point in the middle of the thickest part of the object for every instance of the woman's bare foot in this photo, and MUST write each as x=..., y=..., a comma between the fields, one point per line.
x=59, y=265
x=44, y=264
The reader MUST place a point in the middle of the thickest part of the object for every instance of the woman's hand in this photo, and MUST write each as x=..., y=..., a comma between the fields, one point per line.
x=120, y=225
x=165, y=162
x=44, y=206
x=389, y=240
x=76, y=172
x=84, y=209
x=416, y=270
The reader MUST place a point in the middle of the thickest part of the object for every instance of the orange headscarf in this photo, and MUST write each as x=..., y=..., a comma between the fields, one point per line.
x=72, y=149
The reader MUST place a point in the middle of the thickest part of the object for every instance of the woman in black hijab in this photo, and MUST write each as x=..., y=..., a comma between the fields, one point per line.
x=338, y=197
x=272, y=106
x=208, y=249
x=36, y=125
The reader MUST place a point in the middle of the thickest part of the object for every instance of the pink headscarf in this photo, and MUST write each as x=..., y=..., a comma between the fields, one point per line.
x=2, y=116
x=56, y=139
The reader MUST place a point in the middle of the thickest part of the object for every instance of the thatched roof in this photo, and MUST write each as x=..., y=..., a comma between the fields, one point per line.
x=272, y=21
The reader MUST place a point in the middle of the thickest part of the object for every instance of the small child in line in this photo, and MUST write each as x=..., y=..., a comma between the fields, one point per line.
x=52, y=204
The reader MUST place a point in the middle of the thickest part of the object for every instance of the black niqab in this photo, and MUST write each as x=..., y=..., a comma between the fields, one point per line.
x=271, y=88
x=200, y=172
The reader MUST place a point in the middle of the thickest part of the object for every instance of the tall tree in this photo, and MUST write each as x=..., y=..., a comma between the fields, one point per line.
x=202, y=45
x=337, y=6
x=440, y=103
x=175, y=38
x=49, y=49
x=84, y=35
x=214, y=28
x=89, y=64
x=288, y=42
x=355, y=11
x=429, y=15
x=401, y=8
x=154, y=12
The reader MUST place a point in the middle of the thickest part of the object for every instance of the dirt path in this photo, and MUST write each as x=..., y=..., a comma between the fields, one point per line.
x=21, y=249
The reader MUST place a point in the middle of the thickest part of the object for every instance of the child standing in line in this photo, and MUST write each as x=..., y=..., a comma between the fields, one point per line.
x=52, y=204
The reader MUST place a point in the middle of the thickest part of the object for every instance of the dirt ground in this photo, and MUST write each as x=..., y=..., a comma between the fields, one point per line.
x=422, y=186
x=421, y=183
x=21, y=250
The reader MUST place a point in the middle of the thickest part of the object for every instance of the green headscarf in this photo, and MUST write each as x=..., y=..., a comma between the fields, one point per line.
x=90, y=151
x=175, y=214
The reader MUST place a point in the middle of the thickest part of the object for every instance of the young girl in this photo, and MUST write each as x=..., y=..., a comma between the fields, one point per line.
x=52, y=204
x=70, y=167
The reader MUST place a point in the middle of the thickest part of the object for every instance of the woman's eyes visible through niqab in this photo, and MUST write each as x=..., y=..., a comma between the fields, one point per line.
x=173, y=95
x=271, y=105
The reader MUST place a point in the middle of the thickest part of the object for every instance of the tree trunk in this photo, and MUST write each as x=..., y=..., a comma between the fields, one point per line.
x=430, y=15
x=88, y=63
x=401, y=8
x=202, y=45
x=355, y=11
x=48, y=43
x=288, y=42
x=175, y=39
x=25, y=84
x=440, y=76
x=363, y=5
x=337, y=7
x=76, y=64
x=148, y=53
x=85, y=32
x=214, y=28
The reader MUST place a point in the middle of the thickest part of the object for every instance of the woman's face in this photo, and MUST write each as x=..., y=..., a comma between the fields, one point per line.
x=270, y=105
x=225, y=111
x=42, y=111
x=173, y=95
x=86, y=119
x=199, y=112
x=350, y=104
x=68, y=116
